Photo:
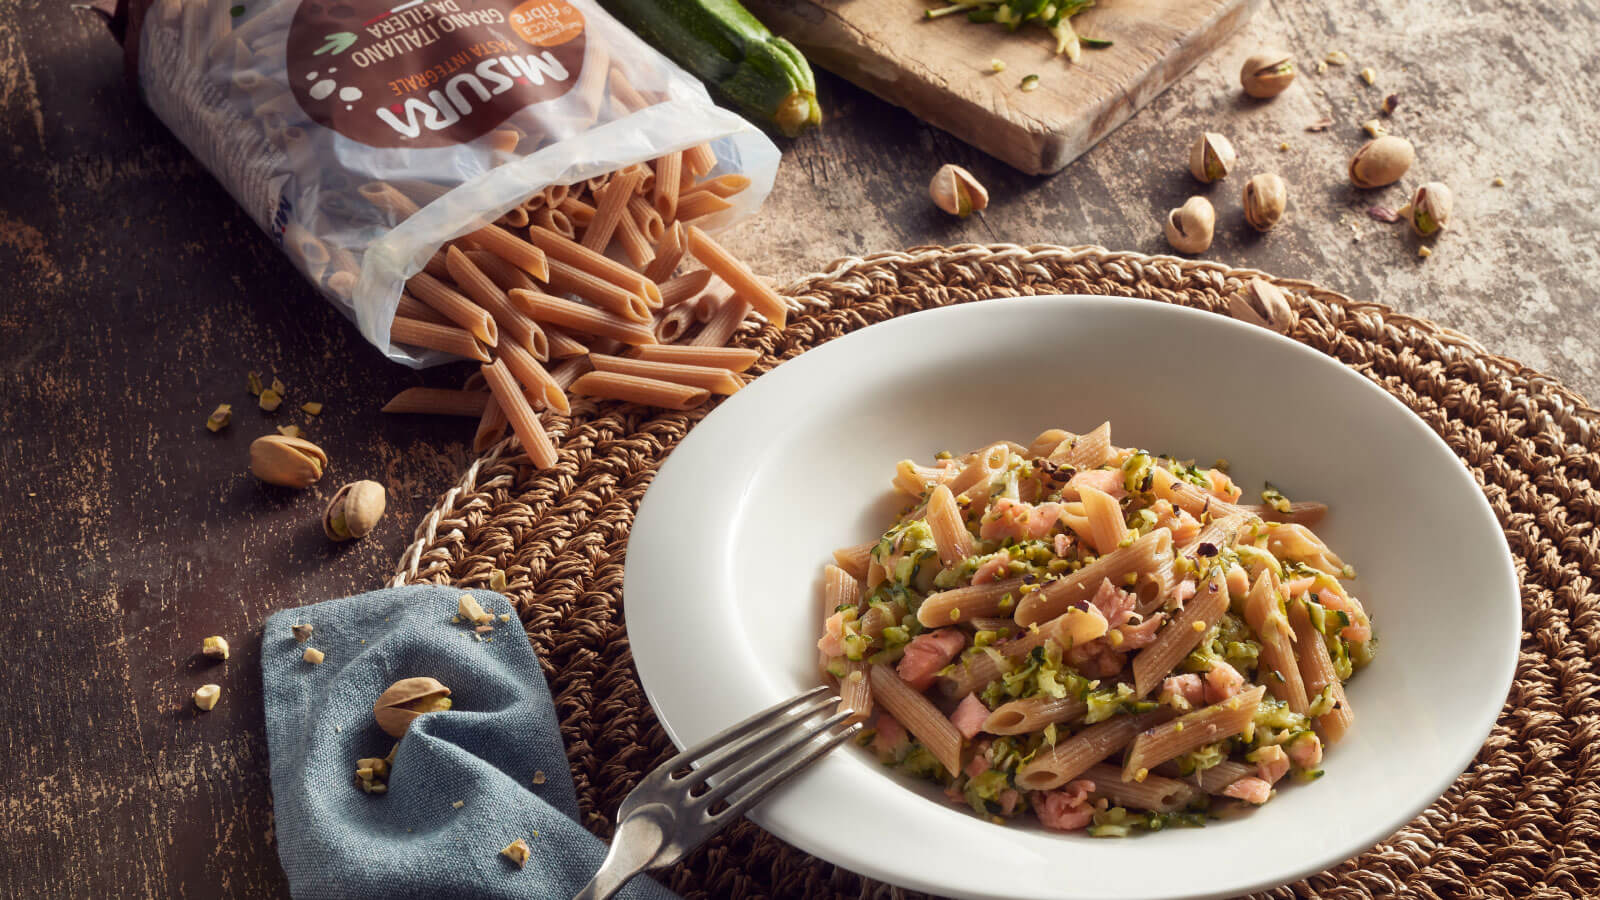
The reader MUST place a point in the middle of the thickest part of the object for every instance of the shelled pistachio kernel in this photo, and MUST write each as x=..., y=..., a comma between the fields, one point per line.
x=301, y=632
x=469, y=608
x=215, y=647
x=313, y=656
x=220, y=417
x=207, y=695
x=517, y=851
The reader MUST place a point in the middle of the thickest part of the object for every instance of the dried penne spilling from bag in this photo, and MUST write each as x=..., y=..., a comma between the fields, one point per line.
x=363, y=136
x=1095, y=636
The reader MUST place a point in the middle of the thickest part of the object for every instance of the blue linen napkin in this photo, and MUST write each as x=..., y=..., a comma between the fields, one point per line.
x=498, y=752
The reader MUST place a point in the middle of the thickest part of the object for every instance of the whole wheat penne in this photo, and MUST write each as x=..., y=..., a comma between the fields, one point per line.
x=435, y=265
x=1279, y=670
x=1048, y=440
x=643, y=391
x=669, y=173
x=1144, y=554
x=1180, y=635
x=711, y=301
x=1213, y=780
x=669, y=253
x=596, y=182
x=717, y=381
x=731, y=269
x=694, y=205
x=919, y=717
x=1087, y=451
x=635, y=245
x=622, y=91
x=556, y=194
x=578, y=317
x=342, y=284
x=546, y=394
x=1192, y=499
x=569, y=370
x=698, y=161
x=306, y=249
x=610, y=205
x=455, y=306
x=482, y=289
x=1300, y=512
x=555, y=220
x=647, y=180
x=386, y=197
x=988, y=463
x=721, y=327
x=684, y=287
x=534, y=203
x=734, y=359
x=1154, y=793
x=855, y=559
x=1190, y=731
x=1031, y=714
x=1218, y=532
x=491, y=426
x=577, y=211
x=438, y=402
x=950, y=532
x=515, y=217
x=503, y=274
x=645, y=216
x=674, y=323
x=975, y=671
x=580, y=257
x=563, y=345
x=503, y=140
x=725, y=185
x=434, y=336
x=412, y=308
x=839, y=589
x=963, y=603
x=1071, y=757
x=598, y=292
x=855, y=691
x=1106, y=526
x=524, y=422
x=1317, y=671
x=514, y=250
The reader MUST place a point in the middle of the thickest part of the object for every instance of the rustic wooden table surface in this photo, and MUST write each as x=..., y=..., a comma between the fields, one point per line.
x=136, y=296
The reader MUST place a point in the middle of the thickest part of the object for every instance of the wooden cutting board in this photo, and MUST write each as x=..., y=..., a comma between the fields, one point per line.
x=939, y=69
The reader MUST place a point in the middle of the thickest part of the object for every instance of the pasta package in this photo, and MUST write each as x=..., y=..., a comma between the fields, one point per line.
x=363, y=135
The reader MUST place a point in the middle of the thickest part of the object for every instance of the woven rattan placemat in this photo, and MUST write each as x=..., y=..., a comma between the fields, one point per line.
x=1523, y=821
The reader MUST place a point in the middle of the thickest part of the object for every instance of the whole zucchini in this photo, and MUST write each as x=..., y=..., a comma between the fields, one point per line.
x=721, y=43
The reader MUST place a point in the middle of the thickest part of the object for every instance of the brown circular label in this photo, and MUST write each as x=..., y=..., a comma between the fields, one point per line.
x=429, y=73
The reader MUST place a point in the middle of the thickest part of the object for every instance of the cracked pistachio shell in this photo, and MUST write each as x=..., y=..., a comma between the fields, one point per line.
x=287, y=461
x=1190, y=226
x=1265, y=197
x=1262, y=303
x=955, y=191
x=354, y=511
x=1381, y=161
x=1430, y=208
x=1211, y=157
x=405, y=700
x=1267, y=74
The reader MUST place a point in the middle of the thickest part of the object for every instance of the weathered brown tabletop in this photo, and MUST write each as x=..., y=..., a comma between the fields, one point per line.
x=136, y=296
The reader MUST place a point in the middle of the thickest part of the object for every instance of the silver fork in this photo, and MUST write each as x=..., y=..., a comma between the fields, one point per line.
x=675, y=808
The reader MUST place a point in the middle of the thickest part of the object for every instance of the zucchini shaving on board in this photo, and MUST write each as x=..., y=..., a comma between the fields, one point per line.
x=1055, y=17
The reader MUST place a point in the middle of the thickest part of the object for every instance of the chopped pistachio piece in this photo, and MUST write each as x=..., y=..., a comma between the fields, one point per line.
x=1284, y=146
x=1498, y=181
x=1424, y=252
x=253, y=379
x=997, y=65
x=1030, y=83
x=458, y=804
x=505, y=617
x=311, y=407
x=1374, y=128
x=277, y=385
x=220, y=417
x=207, y=695
x=1336, y=58
x=294, y=431
x=270, y=400
x=538, y=777
x=302, y=632
x=469, y=609
x=215, y=647
x=1369, y=76
x=313, y=656
x=517, y=852
x=497, y=580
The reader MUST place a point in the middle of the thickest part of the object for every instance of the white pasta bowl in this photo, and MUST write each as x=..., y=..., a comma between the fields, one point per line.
x=724, y=563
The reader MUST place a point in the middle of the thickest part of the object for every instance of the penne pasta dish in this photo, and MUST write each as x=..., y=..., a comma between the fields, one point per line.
x=1103, y=638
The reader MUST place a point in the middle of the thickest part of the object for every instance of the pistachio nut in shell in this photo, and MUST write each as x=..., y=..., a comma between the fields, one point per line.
x=405, y=700
x=1190, y=226
x=1261, y=302
x=1267, y=75
x=955, y=191
x=1381, y=161
x=1211, y=157
x=1430, y=209
x=287, y=461
x=354, y=511
x=1265, y=197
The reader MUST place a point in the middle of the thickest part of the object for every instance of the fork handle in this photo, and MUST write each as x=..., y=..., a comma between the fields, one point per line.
x=638, y=839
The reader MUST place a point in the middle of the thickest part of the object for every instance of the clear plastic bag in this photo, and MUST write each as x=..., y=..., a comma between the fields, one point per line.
x=301, y=107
